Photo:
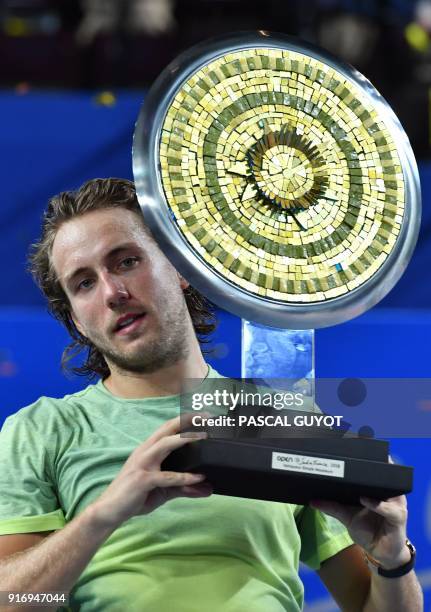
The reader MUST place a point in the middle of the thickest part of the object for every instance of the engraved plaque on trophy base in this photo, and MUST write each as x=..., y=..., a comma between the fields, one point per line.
x=296, y=470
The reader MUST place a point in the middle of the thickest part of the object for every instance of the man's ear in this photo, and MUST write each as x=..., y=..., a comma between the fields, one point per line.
x=183, y=283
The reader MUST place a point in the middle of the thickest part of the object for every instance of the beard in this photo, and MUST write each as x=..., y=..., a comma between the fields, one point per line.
x=164, y=349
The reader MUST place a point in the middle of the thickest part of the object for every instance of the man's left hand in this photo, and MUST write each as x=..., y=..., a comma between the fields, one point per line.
x=378, y=526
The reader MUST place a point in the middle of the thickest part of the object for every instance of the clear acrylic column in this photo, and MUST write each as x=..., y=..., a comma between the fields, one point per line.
x=281, y=357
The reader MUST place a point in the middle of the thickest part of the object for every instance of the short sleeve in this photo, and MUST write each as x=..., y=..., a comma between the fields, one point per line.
x=28, y=500
x=322, y=537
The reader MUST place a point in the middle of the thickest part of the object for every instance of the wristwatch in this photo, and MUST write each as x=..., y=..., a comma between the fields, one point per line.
x=395, y=572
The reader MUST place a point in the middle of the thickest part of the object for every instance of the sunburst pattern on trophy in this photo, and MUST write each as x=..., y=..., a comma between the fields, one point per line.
x=284, y=169
x=281, y=175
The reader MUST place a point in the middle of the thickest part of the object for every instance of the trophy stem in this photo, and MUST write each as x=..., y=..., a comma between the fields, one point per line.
x=269, y=353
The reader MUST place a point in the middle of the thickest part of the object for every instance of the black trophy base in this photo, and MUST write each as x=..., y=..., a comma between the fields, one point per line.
x=295, y=470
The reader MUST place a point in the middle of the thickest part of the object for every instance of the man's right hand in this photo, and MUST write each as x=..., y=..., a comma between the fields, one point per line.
x=141, y=486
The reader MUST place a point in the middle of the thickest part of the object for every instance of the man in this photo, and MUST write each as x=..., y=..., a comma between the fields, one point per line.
x=82, y=494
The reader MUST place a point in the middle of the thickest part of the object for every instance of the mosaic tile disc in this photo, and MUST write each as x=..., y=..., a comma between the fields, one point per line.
x=282, y=175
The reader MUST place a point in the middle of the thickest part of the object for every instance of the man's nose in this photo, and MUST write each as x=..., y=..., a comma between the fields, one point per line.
x=115, y=291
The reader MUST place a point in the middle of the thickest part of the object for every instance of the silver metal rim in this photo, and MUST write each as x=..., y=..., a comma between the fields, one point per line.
x=219, y=290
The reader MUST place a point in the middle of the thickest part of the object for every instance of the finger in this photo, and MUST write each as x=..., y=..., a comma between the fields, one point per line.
x=167, y=479
x=172, y=427
x=391, y=510
x=160, y=496
x=399, y=500
x=192, y=491
x=202, y=489
x=168, y=428
x=186, y=420
x=154, y=456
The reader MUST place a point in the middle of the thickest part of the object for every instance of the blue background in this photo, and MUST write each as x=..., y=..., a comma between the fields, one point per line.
x=54, y=142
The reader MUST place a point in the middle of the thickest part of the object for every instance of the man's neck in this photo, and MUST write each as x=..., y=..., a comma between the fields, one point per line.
x=163, y=382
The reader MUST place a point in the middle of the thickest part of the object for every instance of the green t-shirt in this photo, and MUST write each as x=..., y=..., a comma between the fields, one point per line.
x=216, y=553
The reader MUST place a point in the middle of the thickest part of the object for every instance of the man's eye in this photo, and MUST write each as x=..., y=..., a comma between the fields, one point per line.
x=87, y=283
x=129, y=262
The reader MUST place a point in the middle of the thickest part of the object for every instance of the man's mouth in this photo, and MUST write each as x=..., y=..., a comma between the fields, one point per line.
x=128, y=322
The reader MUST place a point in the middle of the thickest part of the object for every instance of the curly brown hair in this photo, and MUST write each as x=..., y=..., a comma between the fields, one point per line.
x=93, y=195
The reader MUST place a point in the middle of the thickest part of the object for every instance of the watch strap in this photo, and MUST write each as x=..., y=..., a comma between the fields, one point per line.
x=395, y=572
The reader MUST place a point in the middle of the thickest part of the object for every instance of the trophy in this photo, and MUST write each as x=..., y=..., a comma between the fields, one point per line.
x=282, y=186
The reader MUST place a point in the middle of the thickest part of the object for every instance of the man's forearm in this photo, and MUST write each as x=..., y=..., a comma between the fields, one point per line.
x=56, y=563
x=402, y=594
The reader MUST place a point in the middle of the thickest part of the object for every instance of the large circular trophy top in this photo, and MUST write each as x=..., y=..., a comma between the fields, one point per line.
x=277, y=180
